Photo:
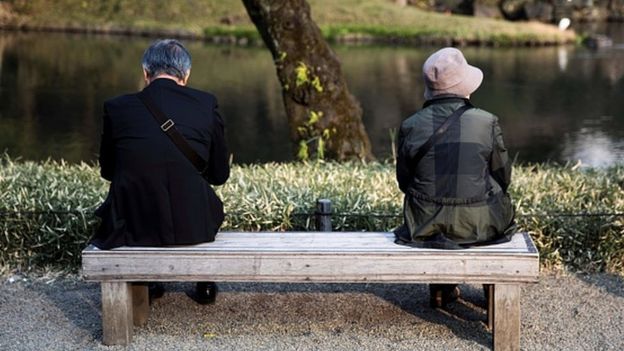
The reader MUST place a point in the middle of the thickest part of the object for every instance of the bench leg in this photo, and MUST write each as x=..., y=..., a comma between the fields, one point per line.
x=506, y=317
x=140, y=304
x=117, y=313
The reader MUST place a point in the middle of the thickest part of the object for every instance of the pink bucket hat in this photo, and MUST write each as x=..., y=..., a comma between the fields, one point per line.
x=446, y=72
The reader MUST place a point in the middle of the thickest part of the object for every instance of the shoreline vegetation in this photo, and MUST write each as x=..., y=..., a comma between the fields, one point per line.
x=226, y=22
x=574, y=214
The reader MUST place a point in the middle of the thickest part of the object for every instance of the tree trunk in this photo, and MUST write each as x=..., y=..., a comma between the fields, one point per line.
x=325, y=119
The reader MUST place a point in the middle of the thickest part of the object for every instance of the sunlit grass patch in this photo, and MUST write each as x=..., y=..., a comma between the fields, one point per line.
x=344, y=20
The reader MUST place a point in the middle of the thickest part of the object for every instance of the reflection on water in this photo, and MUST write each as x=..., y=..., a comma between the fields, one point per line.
x=592, y=145
x=562, y=58
x=551, y=101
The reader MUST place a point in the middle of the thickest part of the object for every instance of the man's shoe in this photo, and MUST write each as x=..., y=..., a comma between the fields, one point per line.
x=205, y=293
x=440, y=295
x=155, y=291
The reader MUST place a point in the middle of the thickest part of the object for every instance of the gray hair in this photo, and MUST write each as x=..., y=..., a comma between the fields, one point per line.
x=166, y=56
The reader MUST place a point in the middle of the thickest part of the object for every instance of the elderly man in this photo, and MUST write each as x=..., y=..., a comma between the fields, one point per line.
x=161, y=149
x=453, y=167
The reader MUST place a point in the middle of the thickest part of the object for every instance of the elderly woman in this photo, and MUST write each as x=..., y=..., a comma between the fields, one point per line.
x=453, y=167
x=161, y=149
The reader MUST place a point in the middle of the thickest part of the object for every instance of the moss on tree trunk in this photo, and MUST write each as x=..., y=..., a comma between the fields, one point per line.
x=325, y=119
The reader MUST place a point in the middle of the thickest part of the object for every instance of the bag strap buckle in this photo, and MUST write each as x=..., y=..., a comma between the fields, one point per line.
x=167, y=125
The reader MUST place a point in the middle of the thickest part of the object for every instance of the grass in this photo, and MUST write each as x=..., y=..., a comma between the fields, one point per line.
x=345, y=20
x=46, y=208
x=383, y=18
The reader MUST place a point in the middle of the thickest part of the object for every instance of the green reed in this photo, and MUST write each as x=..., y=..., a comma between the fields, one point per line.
x=46, y=208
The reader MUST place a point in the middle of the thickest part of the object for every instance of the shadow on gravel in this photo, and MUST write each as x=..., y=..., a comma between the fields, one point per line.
x=78, y=301
x=611, y=283
x=466, y=318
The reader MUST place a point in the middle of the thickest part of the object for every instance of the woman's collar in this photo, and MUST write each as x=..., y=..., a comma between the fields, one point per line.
x=445, y=99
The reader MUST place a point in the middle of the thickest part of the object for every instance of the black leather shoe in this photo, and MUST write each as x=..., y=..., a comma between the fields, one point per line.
x=440, y=295
x=155, y=291
x=205, y=293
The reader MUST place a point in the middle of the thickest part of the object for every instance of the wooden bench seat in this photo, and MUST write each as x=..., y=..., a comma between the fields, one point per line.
x=345, y=257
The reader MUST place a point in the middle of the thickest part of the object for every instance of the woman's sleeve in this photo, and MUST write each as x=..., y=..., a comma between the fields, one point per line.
x=500, y=165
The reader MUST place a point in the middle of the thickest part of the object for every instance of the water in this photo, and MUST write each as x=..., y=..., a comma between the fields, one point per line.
x=554, y=104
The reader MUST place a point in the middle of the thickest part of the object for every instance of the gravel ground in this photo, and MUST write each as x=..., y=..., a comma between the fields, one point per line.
x=562, y=312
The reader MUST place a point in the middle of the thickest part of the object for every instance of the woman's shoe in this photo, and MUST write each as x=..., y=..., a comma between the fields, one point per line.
x=440, y=295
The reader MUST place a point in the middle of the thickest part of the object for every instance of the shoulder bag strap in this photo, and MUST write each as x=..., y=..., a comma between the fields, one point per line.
x=168, y=126
x=424, y=148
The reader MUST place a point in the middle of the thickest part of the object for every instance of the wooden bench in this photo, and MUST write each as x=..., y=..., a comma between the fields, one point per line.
x=332, y=257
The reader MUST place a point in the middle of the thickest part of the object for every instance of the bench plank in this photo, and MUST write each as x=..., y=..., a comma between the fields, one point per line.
x=314, y=256
x=324, y=242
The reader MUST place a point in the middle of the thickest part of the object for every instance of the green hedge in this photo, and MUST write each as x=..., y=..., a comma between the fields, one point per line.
x=46, y=209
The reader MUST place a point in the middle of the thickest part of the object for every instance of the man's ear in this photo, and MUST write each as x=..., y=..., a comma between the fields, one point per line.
x=186, y=77
x=145, y=77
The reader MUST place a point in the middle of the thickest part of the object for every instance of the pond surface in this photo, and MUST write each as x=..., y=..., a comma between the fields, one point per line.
x=558, y=104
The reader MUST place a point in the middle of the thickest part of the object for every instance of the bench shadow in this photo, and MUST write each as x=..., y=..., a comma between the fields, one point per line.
x=80, y=303
x=466, y=318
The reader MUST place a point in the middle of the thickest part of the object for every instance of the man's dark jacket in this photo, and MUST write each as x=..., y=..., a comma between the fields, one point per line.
x=459, y=188
x=156, y=196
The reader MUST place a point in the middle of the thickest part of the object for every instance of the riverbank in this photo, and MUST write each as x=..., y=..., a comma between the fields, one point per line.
x=348, y=21
x=561, y=312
